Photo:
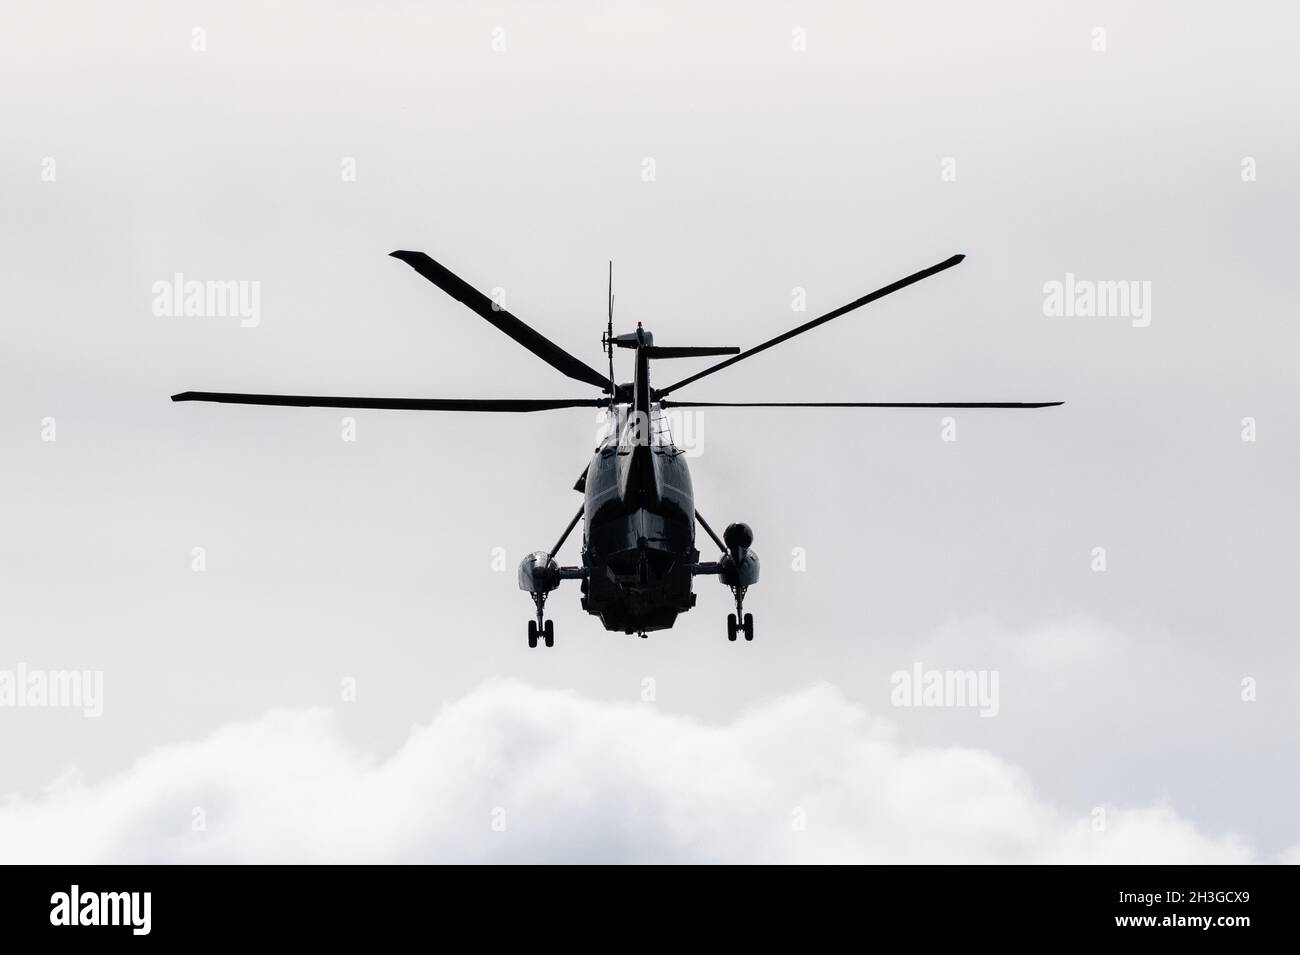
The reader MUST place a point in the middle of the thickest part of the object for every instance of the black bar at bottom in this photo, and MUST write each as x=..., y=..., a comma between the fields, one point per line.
x=335, y=904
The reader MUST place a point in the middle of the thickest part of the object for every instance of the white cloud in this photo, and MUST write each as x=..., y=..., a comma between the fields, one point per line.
x=582, y=780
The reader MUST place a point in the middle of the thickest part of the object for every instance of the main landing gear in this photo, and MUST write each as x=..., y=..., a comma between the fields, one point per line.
x=539, y=574
x=737, y=568
x=740, y=622
x=545, y=630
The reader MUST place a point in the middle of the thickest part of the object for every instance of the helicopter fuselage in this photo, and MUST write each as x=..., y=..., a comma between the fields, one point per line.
x=638, y=542
x=639, y=527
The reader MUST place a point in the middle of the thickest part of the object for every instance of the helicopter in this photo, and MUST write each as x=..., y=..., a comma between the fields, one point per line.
x=639, y=558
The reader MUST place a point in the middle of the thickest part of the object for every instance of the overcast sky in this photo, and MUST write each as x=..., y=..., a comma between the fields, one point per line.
x=829, y=147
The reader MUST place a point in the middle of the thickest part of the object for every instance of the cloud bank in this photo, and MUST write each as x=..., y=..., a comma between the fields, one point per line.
x=514, y=773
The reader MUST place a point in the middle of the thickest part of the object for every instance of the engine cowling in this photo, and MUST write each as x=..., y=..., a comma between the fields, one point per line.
x=538, y=573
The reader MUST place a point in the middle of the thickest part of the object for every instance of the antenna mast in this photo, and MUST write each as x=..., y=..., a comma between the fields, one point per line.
x=609, y=338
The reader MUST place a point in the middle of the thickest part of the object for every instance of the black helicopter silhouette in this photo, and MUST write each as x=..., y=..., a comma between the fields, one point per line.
x=639, y=558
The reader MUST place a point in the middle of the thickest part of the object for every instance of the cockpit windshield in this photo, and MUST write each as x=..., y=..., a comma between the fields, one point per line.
x=633, y=429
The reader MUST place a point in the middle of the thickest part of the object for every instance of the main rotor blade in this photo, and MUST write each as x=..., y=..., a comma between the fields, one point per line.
x=534, y=341
x=688, y=351
x=401, y=404
x=843, y=309
x=860, y=404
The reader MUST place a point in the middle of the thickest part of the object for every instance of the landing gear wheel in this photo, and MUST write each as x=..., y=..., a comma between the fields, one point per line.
x=740, y=622
x=532, y=634
x=548, y=633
